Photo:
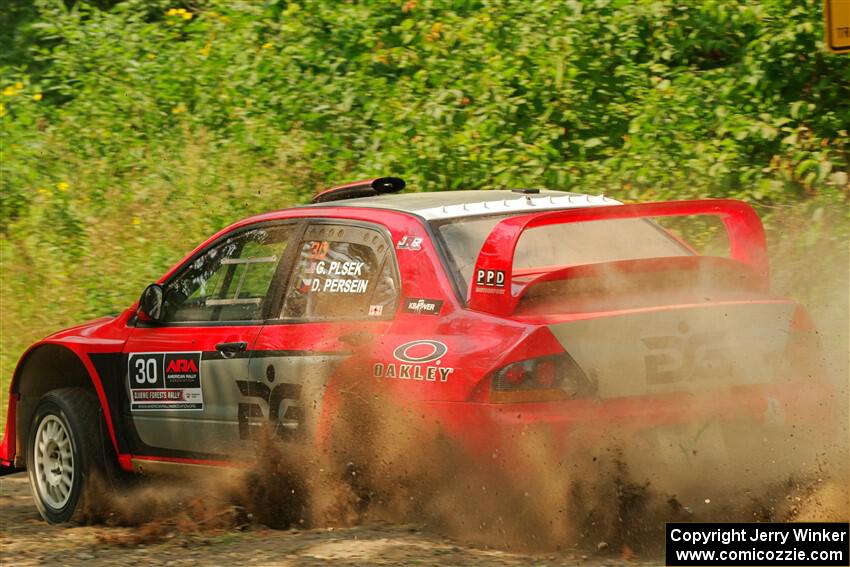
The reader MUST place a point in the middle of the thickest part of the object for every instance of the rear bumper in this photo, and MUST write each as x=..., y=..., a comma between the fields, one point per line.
x=747, y=418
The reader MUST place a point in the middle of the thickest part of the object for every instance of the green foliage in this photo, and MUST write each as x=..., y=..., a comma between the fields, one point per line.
x=130, y=130
x=733, y=98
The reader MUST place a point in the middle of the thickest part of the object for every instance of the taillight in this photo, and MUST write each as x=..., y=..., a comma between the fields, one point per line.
x=803, y=352
x=542, y=379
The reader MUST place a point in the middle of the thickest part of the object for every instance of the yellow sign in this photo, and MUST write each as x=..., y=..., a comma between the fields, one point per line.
x=836, y=13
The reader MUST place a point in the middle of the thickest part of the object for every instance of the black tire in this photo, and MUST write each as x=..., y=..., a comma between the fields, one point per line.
x=71, y=460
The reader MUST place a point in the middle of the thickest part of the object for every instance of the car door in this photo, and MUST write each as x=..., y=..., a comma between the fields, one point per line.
x=182, y=373
x=342, y=293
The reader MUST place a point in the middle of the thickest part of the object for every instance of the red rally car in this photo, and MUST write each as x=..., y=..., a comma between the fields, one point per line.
x=490, y=310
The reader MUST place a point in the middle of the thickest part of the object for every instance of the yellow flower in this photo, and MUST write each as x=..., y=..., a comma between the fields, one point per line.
x=267, y=45
x=205, y=50
x=42, y=191
x=9, y=91
x=63, y=186
x=180, y=108
x=19, y=86
x=136, y=221
x=435, y=32
x=37, y=97
x=2, y=109
x=179, y=12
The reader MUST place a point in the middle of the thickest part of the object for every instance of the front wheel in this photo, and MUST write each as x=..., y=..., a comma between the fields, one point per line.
x=64, y=453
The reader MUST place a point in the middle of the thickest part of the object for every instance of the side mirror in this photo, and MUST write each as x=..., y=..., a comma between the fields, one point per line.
x=150, y=304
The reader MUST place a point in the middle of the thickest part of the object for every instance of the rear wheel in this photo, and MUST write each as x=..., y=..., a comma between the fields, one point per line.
x=65, y=453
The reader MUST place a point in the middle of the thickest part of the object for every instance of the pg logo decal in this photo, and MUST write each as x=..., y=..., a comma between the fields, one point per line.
x=282, y=410
x=685, y=357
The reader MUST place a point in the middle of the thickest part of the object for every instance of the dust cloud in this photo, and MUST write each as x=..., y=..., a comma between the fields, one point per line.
x=384, y=461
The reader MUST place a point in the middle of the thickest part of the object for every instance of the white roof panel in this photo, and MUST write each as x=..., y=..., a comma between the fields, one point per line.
x=456, y=204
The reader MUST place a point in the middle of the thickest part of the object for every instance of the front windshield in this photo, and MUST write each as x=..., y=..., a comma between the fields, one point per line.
x=560, y=245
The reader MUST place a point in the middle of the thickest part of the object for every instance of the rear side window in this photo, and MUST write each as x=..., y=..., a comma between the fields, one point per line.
x=561, y=245
x=341, y=272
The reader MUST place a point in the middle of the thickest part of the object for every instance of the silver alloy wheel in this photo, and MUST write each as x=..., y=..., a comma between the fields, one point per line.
x=54, y=462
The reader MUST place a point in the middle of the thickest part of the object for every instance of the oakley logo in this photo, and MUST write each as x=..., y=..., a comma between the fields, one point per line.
x=683, y=357
x=419, y=352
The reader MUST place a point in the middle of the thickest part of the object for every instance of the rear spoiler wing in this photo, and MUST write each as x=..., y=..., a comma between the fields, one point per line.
x=491, y=289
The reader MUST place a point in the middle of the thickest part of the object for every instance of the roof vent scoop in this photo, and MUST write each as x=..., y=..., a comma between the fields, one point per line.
x=367, y=188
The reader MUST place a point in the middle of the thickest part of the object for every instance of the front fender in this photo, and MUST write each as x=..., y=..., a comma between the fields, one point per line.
x=59, y=360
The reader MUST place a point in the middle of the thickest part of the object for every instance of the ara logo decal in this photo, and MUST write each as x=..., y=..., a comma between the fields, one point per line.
x=181, y=365
x=414, y=358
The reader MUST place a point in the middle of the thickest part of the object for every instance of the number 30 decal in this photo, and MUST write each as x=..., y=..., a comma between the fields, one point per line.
x=146, y=370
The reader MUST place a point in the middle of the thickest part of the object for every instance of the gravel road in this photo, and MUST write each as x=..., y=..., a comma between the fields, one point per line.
x=25, y=539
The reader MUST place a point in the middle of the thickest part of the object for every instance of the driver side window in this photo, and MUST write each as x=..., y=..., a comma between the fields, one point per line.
x=230, y=281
